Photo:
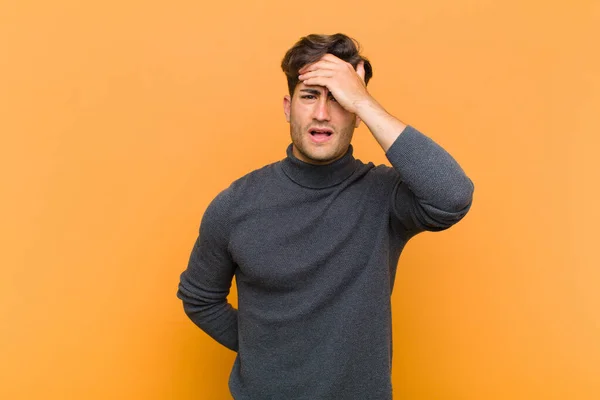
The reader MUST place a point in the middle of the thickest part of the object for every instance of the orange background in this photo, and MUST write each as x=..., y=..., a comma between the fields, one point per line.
x=121, y=120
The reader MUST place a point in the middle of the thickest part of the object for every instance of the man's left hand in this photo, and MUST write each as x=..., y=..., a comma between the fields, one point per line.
x=339, y=77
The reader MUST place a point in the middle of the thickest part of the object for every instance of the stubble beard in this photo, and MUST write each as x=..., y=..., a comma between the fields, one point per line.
x=336, y=150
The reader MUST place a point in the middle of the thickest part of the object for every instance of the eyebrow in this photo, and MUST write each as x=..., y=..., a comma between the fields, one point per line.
x=314, y=91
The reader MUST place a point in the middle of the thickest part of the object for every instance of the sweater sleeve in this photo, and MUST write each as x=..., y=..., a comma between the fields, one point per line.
x=432, y=191
x=206, y=282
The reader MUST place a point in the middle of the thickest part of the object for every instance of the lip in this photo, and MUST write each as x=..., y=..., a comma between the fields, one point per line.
x=321, y=138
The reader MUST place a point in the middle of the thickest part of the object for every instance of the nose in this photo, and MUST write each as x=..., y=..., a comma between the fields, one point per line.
x=322, y=109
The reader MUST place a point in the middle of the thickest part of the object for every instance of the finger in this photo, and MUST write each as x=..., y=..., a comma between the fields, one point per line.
x=317, y=73
x=317, y=81
x=316, y=65
x=331, y=58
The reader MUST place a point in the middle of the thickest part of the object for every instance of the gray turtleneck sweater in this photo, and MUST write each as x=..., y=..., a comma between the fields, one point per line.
x=314, y=251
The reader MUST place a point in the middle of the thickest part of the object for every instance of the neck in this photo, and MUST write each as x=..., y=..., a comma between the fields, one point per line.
x=318, y=176
x=303, y=157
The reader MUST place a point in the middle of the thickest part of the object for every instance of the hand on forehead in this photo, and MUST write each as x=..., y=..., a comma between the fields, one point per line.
x=331, y=62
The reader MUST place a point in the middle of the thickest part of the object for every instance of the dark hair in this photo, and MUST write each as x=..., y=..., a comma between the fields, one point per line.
x=312, y=47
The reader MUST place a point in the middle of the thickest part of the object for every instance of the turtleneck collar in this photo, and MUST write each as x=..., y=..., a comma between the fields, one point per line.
x=318, y=176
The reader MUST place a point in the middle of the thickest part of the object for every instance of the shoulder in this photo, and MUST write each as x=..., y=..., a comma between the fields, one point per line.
x=240, y=187
x=381, y=174
x=258, y=175
x=253, y=182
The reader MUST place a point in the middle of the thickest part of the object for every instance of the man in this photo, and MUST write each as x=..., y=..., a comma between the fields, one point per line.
x=314, y=239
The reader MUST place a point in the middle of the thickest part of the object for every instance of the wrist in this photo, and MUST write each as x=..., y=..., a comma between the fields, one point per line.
x=367, y=107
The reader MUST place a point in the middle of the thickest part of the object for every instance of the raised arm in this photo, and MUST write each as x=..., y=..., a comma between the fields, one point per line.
x=432, y=191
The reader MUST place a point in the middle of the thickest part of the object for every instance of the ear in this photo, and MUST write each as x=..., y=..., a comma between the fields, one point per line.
x=360, y=70
x=357, y=123
x=287, y=105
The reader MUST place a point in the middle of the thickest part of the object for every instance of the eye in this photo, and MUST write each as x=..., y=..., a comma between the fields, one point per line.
x=307, y=96
x=332, y=98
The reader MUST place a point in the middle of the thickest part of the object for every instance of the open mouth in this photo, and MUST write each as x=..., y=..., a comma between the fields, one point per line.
x=320, y=134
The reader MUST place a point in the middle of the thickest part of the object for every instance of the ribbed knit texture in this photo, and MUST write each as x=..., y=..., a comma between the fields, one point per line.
x=314, y=251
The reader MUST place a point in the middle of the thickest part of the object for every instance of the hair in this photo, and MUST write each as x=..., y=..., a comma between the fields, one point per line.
x=311, y=48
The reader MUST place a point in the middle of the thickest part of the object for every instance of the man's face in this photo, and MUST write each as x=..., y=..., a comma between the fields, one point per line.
x=320, y=128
